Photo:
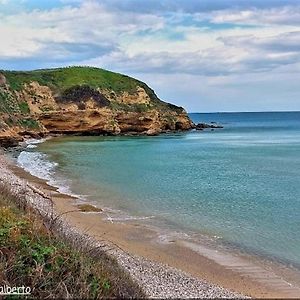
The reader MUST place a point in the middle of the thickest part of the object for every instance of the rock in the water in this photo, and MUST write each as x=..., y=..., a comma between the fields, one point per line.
x=201, y=126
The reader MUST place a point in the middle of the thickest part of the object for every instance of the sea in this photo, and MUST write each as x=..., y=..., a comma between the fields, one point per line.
x=239, y=185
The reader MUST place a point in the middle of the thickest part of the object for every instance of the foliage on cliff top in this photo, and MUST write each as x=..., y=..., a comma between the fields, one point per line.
x=64, y=78
x=61, y=79
x=32, y=256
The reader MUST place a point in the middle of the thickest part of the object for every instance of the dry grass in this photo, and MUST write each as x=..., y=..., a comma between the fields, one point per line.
x=32, y=255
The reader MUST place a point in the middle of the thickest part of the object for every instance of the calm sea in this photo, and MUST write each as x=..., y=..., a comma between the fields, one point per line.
x=240, y=183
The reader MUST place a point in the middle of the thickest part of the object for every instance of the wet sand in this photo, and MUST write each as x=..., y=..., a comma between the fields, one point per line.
x=235, y=273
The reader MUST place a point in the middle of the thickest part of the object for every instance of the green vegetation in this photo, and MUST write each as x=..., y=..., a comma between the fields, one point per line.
x=24, y=108
x=10, y=109
x=67, y=81
x=70, y=85
x=26, y=123
x=32, y=256
x=29, y=123
x=8, y=104
x=63, y=78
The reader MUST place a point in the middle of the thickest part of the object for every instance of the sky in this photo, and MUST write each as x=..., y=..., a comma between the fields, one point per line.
x=204, y=55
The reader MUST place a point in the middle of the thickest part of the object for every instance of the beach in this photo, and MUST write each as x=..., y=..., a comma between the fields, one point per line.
x=163, y=269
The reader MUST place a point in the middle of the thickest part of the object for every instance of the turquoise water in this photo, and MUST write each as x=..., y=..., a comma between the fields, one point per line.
x=241, y=183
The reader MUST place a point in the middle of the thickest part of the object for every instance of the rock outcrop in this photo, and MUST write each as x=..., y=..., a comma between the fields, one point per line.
x=202, y=126
x=81, y=100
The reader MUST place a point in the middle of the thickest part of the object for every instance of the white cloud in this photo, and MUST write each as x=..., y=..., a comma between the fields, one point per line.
x=184, y=47
x=279, y=15
x=28, y=32
x=137, y=41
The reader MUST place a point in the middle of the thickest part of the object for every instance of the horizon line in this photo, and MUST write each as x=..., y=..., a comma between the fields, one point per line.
x=245, y=112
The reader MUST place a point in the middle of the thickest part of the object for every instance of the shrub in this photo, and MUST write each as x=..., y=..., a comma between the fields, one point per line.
x=33, y=256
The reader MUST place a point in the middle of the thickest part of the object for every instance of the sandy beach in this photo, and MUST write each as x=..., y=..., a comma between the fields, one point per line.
x=173, y=268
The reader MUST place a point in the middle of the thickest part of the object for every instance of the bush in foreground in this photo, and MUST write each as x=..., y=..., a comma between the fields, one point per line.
x=30, y=255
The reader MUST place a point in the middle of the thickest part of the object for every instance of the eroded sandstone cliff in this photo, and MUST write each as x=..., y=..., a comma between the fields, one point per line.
x=81, y=100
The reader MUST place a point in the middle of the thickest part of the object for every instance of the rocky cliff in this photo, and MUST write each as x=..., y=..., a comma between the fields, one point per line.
x=81, y=100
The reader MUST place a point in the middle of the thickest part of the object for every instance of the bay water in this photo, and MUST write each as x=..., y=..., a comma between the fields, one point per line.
x=240, y=184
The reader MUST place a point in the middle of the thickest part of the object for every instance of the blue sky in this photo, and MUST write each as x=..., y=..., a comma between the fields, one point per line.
x=209, y=55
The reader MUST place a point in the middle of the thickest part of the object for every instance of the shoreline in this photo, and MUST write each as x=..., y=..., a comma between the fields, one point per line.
x=156, y=280
x=198, y=261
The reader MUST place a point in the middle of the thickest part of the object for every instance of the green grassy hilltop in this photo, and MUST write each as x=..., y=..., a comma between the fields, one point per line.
x=63, y=78
x=47, y=100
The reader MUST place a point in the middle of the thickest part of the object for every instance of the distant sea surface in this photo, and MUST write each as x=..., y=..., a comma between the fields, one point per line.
x=240, y=184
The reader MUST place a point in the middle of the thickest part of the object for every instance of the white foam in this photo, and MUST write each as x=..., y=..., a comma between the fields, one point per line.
x=35, y=141
x=39, y=165
x=31, y=146
x=132, y=218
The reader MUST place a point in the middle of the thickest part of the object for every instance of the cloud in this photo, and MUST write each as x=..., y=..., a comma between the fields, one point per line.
x=203, y=63
x=93, y=32
x=190, y=6
x=268, y=53
x=285, y=42
x=287, y=15
x=164, y=63
x=212, y=42
x=69, y=31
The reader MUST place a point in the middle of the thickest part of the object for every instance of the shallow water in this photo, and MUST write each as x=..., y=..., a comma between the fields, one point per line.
x=240, y=183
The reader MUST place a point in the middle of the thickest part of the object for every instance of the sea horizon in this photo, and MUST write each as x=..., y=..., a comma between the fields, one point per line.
x=241, y=112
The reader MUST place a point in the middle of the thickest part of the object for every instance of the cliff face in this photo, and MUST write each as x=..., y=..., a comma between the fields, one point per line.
x=81, y=100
